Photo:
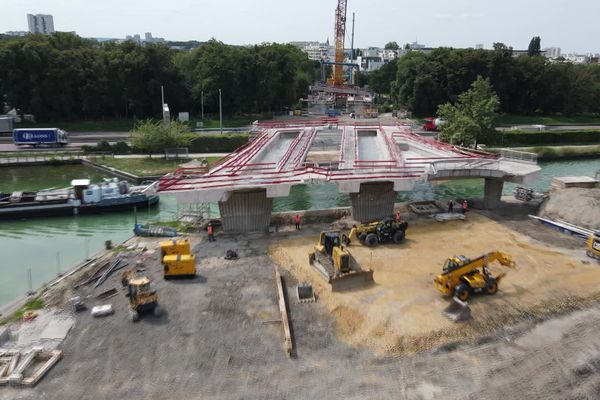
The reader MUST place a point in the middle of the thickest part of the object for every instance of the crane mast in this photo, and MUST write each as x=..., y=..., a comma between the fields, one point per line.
x=340, y=33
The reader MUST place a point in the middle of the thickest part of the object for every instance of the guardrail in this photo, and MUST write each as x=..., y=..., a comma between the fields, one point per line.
x=519, y=155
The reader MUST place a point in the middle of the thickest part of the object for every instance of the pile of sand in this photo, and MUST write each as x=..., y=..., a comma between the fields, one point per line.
x=576, y=206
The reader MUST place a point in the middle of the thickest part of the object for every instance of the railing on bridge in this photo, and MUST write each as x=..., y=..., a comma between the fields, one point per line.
x=519, y=155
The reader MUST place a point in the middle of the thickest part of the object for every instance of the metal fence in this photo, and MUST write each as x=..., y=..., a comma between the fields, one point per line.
x=519, y=155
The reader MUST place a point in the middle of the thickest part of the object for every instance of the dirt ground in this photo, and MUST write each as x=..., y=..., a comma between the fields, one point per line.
x=218, y=338
x=401, y=311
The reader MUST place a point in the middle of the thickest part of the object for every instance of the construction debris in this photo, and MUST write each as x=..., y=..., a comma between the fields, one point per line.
x=107, y=294
x=457, y=310
x=424, y=207
x=14, y=368
x=76, y=303
x=287, y=334
x=114, y=266
x=103, y=310
x=443, y=217
x=231, y=255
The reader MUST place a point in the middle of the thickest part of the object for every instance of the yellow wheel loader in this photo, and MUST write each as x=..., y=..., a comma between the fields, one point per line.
x=384, y=231
x=335, y=263
x=141, y=294
x=461, y=276
x=593, y=245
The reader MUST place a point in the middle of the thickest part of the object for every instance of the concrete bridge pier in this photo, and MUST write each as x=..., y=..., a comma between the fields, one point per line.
x=492, y=193
x=373, y=201
x=246, y=211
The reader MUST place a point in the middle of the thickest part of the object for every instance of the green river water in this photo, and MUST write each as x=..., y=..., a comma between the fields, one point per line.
x=49, y=245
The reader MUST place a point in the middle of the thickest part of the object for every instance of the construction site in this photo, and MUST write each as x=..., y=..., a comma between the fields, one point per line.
x=495, y=297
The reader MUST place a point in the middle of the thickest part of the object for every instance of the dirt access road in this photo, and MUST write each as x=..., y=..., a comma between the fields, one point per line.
x=217, y=341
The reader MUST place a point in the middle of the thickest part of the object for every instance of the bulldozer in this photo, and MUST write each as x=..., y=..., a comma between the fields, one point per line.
x=461, y=276
x=593, y=245
x=141, y=294
x=373, y=233
x=336, y=264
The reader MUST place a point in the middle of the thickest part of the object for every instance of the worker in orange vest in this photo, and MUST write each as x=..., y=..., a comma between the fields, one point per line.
x=297, y=221
x=464, y=206
x=397, y=217
x=211, y=236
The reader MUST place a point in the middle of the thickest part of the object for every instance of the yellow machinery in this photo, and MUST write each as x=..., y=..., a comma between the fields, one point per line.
x=168, y=247
x=373, y=233
x=336, y=264
x=141, y=294
x=179, y=266
x=462, y=277
x=593, y=245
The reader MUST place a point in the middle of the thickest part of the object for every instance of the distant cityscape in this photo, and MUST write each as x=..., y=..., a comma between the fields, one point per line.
x=368, y=59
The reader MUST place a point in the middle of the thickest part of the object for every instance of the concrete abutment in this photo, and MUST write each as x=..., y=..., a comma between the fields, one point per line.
x=246, y=211
x=373, y=201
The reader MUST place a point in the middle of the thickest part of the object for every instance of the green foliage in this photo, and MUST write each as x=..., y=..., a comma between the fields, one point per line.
x=104, y=147
x=380, y=80
x=525, y=85
x=517, y=138
x=534, y=48
x=154, y=137
x=35, y=304
x=565, y=152
x=391, y=46
x=472, y=118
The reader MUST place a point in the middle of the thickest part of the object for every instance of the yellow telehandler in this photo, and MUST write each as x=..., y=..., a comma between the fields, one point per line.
x=373, y=233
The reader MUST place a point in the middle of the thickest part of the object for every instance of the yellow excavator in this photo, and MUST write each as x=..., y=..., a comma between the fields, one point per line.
x=593, y=245
x=461, y=276
x=335, y=263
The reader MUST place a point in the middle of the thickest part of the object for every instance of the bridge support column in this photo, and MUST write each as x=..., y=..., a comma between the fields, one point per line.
x=246, y=211
x=373, y=201
x=492, y=193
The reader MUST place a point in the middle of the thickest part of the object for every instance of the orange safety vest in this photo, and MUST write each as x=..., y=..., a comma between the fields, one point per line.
x=297, y=219
x=210, y=230
x=465, y=204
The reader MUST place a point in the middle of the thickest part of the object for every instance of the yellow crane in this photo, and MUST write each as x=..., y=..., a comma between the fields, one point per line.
x=461, y=276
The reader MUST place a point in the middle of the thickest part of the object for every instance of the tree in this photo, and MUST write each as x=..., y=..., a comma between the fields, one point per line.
x=154, y=137
x=534, y=48
x=471, y=119
x=392, y=46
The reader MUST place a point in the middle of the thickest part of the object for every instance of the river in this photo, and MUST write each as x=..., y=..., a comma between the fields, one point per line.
x=48, y=246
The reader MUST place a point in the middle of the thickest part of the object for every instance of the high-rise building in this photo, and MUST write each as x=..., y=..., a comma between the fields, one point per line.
x=40, y=23
x=148, y=36
x=552, y=52
x=479, y=46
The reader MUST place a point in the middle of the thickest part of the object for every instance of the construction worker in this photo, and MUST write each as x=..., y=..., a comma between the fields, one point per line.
x=450, y=207
x=210, y=230
x=397, y=217
x=297, y=221
x=464, y=206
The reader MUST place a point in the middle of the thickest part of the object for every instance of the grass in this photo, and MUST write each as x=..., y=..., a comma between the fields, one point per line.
x=144, y=166
x=35, y=304
x=548, y=119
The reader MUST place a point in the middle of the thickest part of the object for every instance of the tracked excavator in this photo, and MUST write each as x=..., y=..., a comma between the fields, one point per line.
x=336, y=264
x=461, y=277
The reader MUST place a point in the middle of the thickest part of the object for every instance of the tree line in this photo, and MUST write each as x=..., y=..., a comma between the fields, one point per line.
x=525, y=85
x=63, y=76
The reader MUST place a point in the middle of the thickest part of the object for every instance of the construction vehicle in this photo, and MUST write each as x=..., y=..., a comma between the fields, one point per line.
x=593, y=245
x=179, y=266
x=174, y=246
x=431, y=124
x=461, y=276
x=141, y=294
x=335, y=263
x=373, y=233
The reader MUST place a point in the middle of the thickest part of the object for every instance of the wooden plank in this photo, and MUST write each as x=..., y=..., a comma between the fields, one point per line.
x=287, y=333
x=55, y=355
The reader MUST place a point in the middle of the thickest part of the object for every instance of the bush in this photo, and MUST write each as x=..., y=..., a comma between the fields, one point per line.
x=519, y=138
x=217, y=143
x=105, y=147
x=121, y=148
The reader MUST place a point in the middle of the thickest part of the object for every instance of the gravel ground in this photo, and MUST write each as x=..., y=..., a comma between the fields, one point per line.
x=217, y=340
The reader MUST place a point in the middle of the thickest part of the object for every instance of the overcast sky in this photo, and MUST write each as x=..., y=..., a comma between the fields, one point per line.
x=573, y=25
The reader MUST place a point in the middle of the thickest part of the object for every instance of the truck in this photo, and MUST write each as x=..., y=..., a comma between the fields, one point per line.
x=40, y=136
x=6, y=124
x=432, y=124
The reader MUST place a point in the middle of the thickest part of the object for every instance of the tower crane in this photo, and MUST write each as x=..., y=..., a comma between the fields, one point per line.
x=340, y=33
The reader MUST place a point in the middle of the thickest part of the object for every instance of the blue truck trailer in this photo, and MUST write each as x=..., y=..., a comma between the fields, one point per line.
x=40, y=136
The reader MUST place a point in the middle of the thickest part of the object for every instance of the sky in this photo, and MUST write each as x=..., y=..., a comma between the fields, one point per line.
x=572, y=25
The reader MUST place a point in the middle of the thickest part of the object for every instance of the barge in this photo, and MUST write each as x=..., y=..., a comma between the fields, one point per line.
x=81, y=198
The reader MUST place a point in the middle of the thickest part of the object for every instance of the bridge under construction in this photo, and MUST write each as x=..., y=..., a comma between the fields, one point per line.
x=369, y=161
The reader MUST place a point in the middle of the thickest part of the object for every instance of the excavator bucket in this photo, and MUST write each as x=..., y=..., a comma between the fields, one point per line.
x=457, y=310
